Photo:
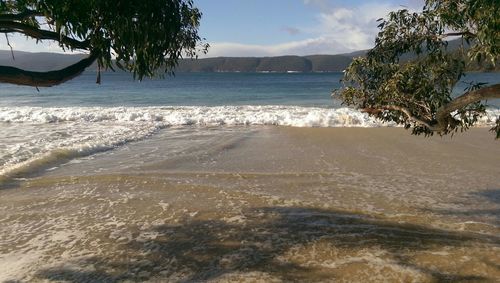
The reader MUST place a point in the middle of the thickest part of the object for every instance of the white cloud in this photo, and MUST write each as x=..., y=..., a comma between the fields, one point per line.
x=318, y=45
x=338, y=30
x=354, y=28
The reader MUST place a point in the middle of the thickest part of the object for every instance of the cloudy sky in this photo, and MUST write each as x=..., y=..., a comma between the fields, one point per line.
x=280, y=27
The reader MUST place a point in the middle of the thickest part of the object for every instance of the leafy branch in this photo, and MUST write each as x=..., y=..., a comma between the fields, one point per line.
x=133, y=35
x=418, y=93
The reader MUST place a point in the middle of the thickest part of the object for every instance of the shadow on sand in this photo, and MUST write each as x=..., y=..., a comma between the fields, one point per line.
x=200, y=250
x=493, y=213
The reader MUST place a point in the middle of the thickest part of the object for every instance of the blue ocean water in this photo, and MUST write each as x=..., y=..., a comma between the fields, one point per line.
x=195, y=89
x=180, y=174
x=80, y=118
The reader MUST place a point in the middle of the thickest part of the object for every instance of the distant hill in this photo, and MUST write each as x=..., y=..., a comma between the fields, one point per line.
x=280, y=64
x=252, y=64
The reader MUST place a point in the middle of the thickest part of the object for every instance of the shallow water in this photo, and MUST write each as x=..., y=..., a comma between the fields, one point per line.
x=123, y=181
x=265, y=204
x=80, y=118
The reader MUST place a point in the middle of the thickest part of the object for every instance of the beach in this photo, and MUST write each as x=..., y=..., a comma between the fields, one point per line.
x=260, y=204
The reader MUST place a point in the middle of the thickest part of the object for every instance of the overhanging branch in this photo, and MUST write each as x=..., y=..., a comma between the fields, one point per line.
x=41, y=34
x=404, y=110
x=18, y=76
x=442, y=121
x=20, y=16
x=443, y=113
x=462, y=33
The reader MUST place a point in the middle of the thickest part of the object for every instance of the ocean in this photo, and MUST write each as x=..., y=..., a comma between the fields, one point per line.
x=237, y=177
x=83, y=118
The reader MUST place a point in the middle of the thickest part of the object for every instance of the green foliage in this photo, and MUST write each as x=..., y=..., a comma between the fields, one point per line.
x=415, y=93
x=142, y=36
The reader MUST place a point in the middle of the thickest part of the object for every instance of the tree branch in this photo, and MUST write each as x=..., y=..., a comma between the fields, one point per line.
x=404, y=110
x=46, y=79
x=19, y=17
x=443, y=113
x=43, y=34
x=462, y=33
x=8, y=44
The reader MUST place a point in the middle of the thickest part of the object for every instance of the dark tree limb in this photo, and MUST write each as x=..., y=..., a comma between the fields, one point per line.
x=443, y=113
x=462, y=33
x=41, y=34
x=10, y=46
x=145, y=36
x=45, y=79
x=404, y=110
x=20, y=16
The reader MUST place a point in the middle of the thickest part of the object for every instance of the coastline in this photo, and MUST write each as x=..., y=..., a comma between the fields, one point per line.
x=262, y=203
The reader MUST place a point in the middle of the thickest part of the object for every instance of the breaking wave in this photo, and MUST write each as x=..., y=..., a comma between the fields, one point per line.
x=191, y=115
x=37, y=137
x=295, y=116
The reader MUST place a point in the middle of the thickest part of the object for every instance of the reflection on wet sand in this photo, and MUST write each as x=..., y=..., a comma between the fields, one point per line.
x=115, y=227
x=275, y=217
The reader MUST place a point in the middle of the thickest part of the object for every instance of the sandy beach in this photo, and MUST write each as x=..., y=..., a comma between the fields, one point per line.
x=185, y=141
x=261, y=204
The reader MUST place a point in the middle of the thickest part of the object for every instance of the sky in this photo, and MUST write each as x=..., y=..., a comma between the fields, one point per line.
x=278, y=27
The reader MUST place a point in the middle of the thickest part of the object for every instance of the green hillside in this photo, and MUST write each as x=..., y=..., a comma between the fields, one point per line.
x=280, y=64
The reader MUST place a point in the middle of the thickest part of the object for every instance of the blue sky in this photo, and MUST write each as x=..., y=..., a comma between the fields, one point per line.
x=279, y=27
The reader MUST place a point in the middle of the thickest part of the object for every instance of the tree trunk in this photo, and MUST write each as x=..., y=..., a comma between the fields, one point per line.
x=443, y=113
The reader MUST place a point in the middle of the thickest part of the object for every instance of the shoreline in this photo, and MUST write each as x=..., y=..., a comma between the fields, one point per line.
x=262, y=203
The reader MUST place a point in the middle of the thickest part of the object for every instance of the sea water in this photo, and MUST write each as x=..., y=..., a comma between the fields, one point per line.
x=80, y=117
x=237, y=178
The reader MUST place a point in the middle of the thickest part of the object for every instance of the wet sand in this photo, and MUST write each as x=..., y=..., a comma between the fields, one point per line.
x=262, y=204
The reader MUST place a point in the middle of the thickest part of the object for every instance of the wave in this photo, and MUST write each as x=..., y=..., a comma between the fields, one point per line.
x=192, y=115
x=36, y=138
x=295, y=116
x=50, y=145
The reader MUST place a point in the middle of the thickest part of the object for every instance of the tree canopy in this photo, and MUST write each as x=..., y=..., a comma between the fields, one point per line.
x=133, y=35
x=418, y=93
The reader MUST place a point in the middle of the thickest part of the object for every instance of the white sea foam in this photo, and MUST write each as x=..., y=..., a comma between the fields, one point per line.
x=192, y=115
x=27, y=147
x=35, y=137
x=295, y=116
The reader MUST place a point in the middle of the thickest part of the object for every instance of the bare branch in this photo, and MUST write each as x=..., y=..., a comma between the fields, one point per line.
x=19, y=17
x=11, y=49
x=46, y=79
x=462, y=33
x=467, y=98
x=443, y=113
x=404, y=110
x=41, y=34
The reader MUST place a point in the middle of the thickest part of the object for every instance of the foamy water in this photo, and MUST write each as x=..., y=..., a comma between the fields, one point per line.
x=261, y=204
x=40, y=136
x=120, y=182
x=296, y=116
x=36, y=137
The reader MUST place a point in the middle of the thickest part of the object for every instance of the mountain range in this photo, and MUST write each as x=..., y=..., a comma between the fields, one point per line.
x=281, y=64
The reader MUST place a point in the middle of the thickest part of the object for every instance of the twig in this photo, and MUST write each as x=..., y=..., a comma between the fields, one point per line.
x=11, y=49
